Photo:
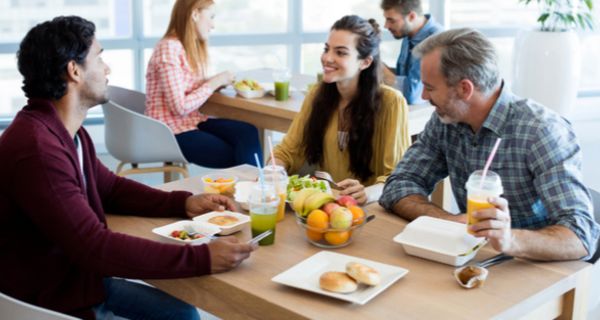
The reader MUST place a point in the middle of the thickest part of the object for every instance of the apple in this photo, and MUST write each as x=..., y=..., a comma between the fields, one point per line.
x=346, y=201
x=329, y=207
x=341, y=218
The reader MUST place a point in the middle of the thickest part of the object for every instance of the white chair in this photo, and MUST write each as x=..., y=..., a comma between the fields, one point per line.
x=133, y=138
x=11, y=308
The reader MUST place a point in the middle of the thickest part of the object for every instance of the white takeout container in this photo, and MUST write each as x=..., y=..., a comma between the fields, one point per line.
x=439, y=240
x=228, y=229
x=205, y=229
x=242, y=193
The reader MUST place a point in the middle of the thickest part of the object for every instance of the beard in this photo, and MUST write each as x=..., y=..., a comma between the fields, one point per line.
x=453, y=111
x=403, y=32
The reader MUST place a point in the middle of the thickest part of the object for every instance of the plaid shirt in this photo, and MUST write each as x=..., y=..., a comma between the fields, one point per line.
x=173, y=91
x=539, y=161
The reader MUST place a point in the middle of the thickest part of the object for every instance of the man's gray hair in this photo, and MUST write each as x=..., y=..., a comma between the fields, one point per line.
x=465, y=54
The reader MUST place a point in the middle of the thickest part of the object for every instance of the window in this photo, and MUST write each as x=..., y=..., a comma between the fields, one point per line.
x=501, y=20
x=255, y=34
x=112, y=17
x=11, y=96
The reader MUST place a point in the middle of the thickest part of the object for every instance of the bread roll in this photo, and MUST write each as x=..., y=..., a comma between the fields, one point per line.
x=363, y=274
x=337, y=282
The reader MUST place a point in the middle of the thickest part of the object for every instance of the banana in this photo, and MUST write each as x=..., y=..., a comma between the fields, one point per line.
x=300, y=196
x=315, y=201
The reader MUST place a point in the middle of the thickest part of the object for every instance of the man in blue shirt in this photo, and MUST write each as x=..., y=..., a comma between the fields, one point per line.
x=545, y=212
x=405, y=20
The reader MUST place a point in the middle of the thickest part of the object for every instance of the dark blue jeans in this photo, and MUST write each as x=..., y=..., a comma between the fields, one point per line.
x=132, y=300
x=221, y=143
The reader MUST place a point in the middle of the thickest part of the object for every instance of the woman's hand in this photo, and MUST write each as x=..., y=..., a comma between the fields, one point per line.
x=221, y=80
x=354, y=189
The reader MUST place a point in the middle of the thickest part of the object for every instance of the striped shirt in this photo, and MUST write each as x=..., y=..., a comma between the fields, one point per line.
x=539, y=161
x=174, y=93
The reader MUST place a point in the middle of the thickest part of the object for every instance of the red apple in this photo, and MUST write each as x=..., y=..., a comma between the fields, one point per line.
x=346, y=201
x=329, y=207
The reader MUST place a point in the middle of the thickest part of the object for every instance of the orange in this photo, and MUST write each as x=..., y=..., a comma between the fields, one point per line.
x=318, y=219
x=337, y=238
x=358, y=215
x=314, y=235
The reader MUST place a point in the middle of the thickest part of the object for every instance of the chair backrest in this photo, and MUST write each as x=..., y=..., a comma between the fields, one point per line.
x=11, y=308
x=130, y=99
x=135, y=138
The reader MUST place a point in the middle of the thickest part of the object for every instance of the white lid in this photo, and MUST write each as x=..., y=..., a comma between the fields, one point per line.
x=438, y=235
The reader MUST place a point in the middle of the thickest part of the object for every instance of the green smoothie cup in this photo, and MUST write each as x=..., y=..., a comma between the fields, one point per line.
x=282, y=84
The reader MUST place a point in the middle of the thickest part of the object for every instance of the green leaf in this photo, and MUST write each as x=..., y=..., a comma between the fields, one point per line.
x=543, y=18
x=589, y=4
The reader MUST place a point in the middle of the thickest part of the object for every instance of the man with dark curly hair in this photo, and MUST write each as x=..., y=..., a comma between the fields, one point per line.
x=56, y=250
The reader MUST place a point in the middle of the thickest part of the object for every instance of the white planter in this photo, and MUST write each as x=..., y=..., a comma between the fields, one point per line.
x=547, y=68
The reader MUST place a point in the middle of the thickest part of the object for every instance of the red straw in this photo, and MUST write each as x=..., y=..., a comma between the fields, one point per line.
x=489, y=161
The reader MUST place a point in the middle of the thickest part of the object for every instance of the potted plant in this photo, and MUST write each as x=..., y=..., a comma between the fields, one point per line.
x=547, y=61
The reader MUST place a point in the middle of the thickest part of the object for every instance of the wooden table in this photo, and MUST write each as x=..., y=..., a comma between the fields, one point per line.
x=266, y=113
x=514, y=289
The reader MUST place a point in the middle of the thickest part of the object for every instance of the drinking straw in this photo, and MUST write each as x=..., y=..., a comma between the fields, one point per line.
x=261, y=177
x=273, y=163
x=272, y=154
x=488, y=163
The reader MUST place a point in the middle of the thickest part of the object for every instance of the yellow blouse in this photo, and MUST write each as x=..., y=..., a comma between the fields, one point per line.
x=390, y=140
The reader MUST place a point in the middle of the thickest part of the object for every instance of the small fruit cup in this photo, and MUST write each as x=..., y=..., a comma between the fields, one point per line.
x=328, y=237
x=220, y=183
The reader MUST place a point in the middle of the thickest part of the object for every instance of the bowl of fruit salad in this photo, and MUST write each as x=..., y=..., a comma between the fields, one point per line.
x=220, y=183
x=249, y=89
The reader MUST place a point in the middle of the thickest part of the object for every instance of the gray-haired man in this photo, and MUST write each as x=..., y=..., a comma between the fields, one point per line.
x=545, y=212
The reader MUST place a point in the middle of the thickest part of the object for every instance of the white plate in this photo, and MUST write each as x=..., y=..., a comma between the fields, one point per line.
x=305, y=275
x=203, y=228
x=439, y=240
x=228, y=229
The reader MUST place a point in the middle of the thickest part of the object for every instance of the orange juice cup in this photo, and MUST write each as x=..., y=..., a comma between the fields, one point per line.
x=479, y=192
x=277, y=176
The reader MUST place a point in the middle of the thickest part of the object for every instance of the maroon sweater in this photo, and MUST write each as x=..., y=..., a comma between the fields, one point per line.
x=55, y=247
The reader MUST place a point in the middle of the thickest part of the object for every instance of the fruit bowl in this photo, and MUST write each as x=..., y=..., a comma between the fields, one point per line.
x=220, y=183
x=249, y=89
x=325, y=221
x=329, y=238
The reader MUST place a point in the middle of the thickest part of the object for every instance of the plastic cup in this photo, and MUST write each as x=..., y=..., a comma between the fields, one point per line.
x=277, y=176
x=263, y=204
x=282, y=84
x=478, y=192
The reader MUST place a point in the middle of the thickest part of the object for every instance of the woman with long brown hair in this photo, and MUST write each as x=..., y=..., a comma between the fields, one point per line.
x=177, y=86
x=351, y=125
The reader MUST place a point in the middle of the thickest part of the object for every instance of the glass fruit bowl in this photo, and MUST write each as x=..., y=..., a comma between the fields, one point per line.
x=321, y=232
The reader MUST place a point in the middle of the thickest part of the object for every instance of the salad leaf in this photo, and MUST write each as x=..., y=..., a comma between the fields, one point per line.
x=297, y=183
